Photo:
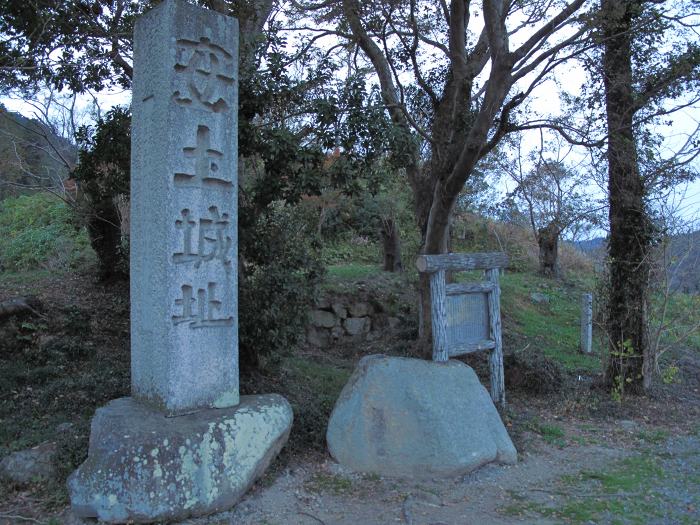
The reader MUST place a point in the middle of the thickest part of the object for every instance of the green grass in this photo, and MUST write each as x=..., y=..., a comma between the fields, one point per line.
x=312, y=387
x=682, y=323
x=326, y=379
x=628, y=475
x=27, y=278
x=352, y=249
x=41, y=231
x=352, y=271
x=623, y=493
x=552, y=328
x=653, y=437
x=322, y=482
x=551, y=434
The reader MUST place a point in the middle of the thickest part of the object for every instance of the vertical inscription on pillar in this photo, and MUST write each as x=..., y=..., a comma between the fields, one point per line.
x=205, y=75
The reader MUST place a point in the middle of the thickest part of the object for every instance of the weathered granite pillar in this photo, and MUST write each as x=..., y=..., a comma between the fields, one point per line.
x=184, y=311
x=184, y=444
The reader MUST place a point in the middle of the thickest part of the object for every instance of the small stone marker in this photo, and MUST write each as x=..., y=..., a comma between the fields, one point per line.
x=586, y=323
x=184, y=444
x=184, y=311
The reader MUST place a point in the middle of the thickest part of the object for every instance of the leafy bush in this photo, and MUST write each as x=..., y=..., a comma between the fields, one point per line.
x=280, y=270
x=353, y=228
x=473, y=233
x=38, y=231
x=103, y=173
x=351, y=247
x=279, y=267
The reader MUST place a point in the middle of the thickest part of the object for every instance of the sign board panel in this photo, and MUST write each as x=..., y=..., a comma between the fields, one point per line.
x=467, y=318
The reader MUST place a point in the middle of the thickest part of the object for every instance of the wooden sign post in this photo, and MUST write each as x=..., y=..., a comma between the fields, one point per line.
x=466, y=317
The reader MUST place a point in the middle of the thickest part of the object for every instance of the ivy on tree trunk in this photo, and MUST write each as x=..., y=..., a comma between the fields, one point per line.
x=630, y=228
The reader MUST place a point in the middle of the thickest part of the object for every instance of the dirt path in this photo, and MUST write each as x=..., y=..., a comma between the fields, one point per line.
x=570, y=470
x=324, y=493
x=582, y=460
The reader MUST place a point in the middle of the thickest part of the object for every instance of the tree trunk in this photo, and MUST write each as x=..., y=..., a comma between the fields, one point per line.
x=435, y=241
x=392, y=246
x=630, y=233
x=459, y=131
x=548, y=242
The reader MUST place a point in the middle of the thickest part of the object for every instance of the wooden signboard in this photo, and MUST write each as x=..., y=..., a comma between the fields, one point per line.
x=466, y=317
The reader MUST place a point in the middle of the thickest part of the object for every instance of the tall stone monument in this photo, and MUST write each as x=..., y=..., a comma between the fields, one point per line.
x=184, y=311
x=185, y=443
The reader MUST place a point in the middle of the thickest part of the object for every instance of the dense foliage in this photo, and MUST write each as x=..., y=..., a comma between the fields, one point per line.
x=278, y=261
x=103, y=177
x=279, y=271
x=39, y=231
x=71, y=44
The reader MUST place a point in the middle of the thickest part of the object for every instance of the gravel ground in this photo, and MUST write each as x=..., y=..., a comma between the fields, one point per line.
x=679, y=491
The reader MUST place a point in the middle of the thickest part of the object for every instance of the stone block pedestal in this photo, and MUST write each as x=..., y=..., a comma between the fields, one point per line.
x=144, y=467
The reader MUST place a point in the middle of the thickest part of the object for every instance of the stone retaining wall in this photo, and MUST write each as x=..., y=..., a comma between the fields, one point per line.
x=348, y=318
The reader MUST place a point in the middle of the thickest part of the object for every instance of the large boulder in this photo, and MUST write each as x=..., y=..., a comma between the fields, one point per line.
x=144, y=467
x=413, y=418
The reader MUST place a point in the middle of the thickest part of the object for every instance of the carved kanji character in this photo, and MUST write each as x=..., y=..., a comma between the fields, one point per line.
x=207, y=162
x=207, y=306
x=207, y=75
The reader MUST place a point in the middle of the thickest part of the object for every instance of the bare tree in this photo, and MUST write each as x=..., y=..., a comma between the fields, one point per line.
x=555, y=194
x=672, y=316
x=40, y=151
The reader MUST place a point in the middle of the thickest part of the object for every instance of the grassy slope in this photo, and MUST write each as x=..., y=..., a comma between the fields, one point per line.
x=552, y=328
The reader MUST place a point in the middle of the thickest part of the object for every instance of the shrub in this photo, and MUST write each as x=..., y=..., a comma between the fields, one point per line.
x=351, y=247
x=473, y=233
x=353, y=230
x=38, y=231
x=103, y=173
x=279, y=272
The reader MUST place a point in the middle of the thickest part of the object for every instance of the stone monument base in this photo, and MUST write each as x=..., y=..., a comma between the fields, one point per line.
x=144, y=467
x=414, y=418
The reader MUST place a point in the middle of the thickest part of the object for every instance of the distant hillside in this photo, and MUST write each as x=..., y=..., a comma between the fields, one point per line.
x=31, y=155
x=591, y=246
x=685, y=262
x=683, y=255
